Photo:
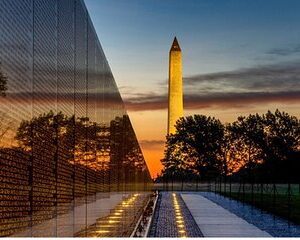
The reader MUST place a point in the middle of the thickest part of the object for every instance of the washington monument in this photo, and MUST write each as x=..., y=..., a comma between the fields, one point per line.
x=175, y=110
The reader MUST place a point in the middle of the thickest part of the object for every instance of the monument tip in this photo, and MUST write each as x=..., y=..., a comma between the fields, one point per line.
x=175, y=45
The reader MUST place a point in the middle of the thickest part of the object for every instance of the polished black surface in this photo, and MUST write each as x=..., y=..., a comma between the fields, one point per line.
x=68, y=152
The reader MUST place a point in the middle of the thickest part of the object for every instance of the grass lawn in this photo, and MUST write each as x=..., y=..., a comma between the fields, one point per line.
x=280, y=205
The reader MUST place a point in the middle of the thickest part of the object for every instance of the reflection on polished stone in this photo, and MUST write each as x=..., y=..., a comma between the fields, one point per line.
x=122, y=219
x=68, y=152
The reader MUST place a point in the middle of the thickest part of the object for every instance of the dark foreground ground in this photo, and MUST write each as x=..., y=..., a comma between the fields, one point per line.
x=165, y=224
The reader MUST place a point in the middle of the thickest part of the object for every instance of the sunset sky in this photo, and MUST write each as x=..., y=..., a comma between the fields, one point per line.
x=239, y=57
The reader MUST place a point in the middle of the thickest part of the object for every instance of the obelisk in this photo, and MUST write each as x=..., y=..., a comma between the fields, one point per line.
x=175, y=110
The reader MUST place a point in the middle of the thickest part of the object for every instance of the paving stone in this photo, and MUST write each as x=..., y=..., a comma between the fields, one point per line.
x=205, y=213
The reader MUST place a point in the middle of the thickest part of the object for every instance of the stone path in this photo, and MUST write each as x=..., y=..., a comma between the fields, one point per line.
x=216, y=221
x=172, y=218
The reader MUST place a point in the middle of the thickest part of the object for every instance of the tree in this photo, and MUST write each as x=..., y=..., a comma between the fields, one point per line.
x=196, y=146
x=228, y=162
x=247, y=138
x=282, y=135
x=266, y=147
x=3, y=88
x=3, y=83
x=50, y=133
x=178, y=160
x=261, y=145
x=282, y=141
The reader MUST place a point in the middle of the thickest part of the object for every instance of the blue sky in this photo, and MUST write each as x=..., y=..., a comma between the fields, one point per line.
x=239, y=57
x=215, y=35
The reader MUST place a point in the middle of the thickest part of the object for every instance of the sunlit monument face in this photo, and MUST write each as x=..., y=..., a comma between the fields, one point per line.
x=175, y=86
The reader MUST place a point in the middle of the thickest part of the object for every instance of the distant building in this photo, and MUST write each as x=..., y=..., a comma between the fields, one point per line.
x=175, y=110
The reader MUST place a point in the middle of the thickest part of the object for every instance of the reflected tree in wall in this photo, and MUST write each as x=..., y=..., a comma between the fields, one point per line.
x=78, y=138
x=3, y=83
x=3, y=89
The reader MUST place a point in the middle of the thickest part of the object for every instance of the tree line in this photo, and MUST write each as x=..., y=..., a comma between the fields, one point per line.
x=262, y=147
x=3, y=83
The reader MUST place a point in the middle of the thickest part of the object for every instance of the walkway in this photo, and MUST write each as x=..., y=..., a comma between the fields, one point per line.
x=172, y=218
x=216, y=221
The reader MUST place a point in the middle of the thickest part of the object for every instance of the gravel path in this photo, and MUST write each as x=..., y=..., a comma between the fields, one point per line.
x=275, y=226
x=164, y=220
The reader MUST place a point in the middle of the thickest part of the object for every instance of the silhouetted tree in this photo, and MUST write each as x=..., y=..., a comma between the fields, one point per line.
x=196, y=146
x=229, y=165
x=247, y=138
x=282, y=135
x=282, y=141
x=177, y=163
x=260, y=145
x=264, y=147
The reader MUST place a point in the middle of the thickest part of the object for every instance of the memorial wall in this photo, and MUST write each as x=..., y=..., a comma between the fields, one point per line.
x=68, y=152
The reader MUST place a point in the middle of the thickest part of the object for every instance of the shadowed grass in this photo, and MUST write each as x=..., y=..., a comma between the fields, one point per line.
x=281, y=205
